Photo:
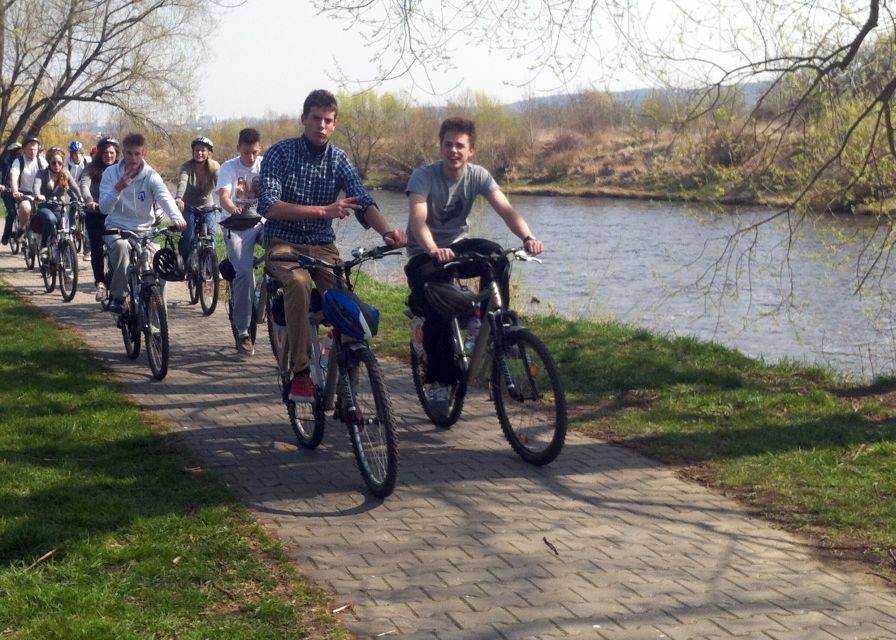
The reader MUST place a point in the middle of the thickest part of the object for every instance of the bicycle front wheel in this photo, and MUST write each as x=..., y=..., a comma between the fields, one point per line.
x=28, y=253
x=529, y=397
x=14, y=244
x=209, y=281
x=371, y=425
x=155, y=331
x=68, y=270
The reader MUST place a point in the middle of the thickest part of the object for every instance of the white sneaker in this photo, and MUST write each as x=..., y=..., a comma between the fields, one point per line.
x=101, y=293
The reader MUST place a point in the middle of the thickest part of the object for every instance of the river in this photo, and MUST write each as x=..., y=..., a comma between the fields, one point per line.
x=641, y=263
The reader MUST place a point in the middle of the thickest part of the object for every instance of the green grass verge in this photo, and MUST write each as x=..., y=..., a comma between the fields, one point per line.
x=796, y=443
x=107, y=528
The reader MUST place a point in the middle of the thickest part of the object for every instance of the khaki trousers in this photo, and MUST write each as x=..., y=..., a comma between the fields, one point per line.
x=297, y=292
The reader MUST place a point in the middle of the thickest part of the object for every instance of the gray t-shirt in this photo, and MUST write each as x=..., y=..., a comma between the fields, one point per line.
x=448, y=202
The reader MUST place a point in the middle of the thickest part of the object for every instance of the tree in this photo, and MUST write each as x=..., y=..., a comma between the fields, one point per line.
x=365, y=121
x=827, y=72
x=133, y=56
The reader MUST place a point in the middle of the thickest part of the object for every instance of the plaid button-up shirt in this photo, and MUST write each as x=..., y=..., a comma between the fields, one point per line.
x=291, y=173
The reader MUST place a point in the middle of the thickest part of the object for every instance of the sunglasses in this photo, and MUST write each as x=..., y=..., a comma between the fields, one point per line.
x=56, y=163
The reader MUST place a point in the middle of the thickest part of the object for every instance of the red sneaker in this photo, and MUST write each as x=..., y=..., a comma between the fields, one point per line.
x=301, y=389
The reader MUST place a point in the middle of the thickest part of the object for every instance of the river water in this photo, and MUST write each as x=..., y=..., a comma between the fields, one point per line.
x=658, y=266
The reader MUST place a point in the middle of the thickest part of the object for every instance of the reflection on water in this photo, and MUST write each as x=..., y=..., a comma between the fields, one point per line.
x=657, y=265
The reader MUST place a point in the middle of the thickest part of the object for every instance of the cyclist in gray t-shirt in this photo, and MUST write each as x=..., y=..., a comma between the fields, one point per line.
x=440, y=198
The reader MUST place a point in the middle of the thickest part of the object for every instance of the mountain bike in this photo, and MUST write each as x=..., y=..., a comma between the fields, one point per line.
x=346, y=375
x=61, y=258
x=144, y=306
x=203, y=279
x=520, y=372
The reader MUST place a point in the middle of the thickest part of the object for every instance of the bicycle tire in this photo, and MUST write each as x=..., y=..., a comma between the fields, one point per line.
x=14, y=243
x=107, y=280
x=28, y=254
x=155, y=331
x=68, y=270
x=77, y=237
x=193, y=285
x=371, y=426
x=130, y=333
x=48, y=274
x=455, y=401
x=209, y=281
x=529, y=397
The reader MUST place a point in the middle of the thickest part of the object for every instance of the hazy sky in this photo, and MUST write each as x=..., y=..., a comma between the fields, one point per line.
x=266, y=56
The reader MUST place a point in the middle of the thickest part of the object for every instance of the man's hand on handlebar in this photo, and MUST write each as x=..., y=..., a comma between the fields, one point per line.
x=442, y=255
x=396, y=238
x=533, y=246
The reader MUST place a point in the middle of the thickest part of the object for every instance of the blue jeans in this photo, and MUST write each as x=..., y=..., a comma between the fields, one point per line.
x=241, y=253
x=50, y=219
x=186, y=237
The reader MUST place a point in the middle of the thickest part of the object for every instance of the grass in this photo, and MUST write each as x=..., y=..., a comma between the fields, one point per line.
x=107, y=528
x=798, y=445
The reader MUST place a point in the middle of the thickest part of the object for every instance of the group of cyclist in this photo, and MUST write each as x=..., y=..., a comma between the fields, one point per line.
x=285, y=200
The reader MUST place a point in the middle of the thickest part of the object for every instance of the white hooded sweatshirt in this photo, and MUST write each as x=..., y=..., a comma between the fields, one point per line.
x=133, y=208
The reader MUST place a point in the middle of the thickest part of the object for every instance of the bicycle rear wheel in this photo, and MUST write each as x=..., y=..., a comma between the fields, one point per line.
x=130, y=332
x=48, y=273
x=371, y=426
x=209, y=281
x=456, y=394
x=68, y=270
x=529, y=397
x=14, y=243
x=28, y=254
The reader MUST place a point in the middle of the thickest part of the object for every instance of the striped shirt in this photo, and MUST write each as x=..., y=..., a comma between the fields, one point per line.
x=291, y=173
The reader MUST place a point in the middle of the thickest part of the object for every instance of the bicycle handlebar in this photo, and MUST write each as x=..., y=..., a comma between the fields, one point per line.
x=518, y=253
x=360, y=255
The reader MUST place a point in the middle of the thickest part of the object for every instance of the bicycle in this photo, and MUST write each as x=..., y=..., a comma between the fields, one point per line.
x=144, y=309
x=203, y=279
x=61, y=258
x=523, y=379
x=344, y=371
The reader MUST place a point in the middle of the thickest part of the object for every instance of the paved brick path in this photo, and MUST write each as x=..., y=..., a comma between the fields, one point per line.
x=461, y=549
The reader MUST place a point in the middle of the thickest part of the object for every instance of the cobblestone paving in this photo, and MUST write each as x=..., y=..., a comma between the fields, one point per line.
x=474, y=543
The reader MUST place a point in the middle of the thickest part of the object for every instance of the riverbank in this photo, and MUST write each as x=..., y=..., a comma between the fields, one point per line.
x=797, y=444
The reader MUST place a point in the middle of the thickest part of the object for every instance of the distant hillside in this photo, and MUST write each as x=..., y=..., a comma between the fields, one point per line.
x=634, y=98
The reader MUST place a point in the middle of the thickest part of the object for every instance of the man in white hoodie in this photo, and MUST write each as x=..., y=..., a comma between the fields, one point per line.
x=128, y=192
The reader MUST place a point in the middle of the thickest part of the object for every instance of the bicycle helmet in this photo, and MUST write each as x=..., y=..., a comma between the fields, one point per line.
x=352, y=317
x=31, y=139
x=12, y=146
x=203, y=141
x=75, y=146
x=449, y=299
x=226, y=269
x=107, y=141
x=169, y=264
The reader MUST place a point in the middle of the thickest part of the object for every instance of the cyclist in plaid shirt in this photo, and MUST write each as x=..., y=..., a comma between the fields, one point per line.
x=299, y=187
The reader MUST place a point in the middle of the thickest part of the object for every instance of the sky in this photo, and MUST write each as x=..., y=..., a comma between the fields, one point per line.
x=267, y=55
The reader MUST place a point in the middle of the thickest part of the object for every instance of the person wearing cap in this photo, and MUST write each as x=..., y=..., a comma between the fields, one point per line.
x=238, y=193
x=129, y=192
x=108, y=152
x=12, y=152
x=21, y=179
x=299, y=188
x=76, y=160
x=195, y=188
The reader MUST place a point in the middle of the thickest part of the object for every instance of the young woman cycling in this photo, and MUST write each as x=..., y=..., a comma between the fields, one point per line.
x=53, y=189
x=107, y=154
x=195, y=186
